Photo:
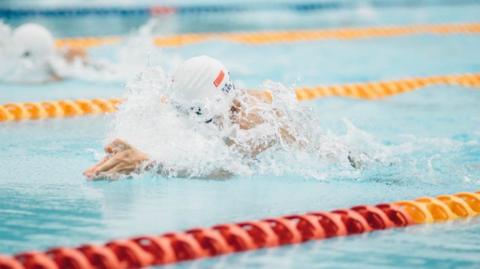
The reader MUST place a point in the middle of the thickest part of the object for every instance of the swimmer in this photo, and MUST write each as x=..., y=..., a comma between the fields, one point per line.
x=197, y=83
x=36, y=56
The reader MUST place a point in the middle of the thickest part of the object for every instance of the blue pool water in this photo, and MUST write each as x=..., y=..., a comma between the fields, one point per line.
x=354, y=13
x=432, y=137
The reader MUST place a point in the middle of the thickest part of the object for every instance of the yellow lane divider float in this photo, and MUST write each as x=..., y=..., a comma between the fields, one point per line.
x=259, y=38
x=56, y=109
x=368, y=91
x=377, y=90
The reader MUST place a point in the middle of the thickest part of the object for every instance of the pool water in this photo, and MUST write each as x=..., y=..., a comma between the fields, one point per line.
x=349, y=13
x=432, y=136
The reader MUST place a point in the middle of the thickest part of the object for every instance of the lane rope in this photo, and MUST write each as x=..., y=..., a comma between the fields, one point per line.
x=57, y=109
x=199, y=243
x=204, y=9
x=265, y=38
x=159, y=10
x=367, y=91
x=382, y=89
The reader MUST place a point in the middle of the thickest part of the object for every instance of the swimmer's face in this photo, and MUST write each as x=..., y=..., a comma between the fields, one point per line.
x=30, y=58
x=202, y=114
x=26, y=54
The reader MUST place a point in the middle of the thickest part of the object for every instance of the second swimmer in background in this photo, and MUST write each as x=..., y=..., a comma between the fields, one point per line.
x=31, y=56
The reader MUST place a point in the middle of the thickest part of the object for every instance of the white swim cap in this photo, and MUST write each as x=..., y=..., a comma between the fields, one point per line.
x=5, y=34
x=34, y=42
x=200, y=78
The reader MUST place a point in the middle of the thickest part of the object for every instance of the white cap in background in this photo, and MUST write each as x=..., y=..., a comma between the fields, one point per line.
x=34, y=42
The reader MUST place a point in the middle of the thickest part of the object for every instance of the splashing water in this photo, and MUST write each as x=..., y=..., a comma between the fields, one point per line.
x=184, y=142
x=186, y=146
x=154, y=126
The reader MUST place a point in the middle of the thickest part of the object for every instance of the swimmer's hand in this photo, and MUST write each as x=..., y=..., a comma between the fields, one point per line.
x=121, y=159
x=72, y=54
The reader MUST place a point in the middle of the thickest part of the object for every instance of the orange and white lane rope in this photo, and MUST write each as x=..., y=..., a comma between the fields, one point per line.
x=368, y=91
x=200, y=243
x=56, y=109
x=259, y=38
x=377, y=90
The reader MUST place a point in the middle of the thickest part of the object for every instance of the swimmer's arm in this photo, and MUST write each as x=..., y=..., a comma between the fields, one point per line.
x=72, y=53
x=252, y=147
x=121, y=159
x=261, y=96
x=54, y=76
x=256, y=147
x=284, y=131
x=124, y=159
x=69, y=55
x=255, y=118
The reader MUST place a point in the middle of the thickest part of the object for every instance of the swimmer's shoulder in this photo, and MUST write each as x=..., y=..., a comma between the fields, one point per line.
x=261, y=96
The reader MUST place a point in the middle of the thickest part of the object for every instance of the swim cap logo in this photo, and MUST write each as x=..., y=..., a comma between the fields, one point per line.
x=228, y=87
x=219, y=78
